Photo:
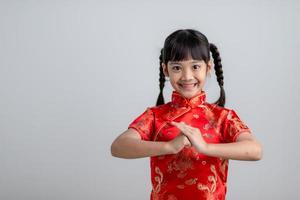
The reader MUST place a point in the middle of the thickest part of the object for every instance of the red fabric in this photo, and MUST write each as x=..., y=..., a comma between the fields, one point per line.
x=189, y=174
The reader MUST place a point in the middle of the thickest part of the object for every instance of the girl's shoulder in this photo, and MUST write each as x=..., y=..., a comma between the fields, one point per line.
x=219, y=112
x=216, y=112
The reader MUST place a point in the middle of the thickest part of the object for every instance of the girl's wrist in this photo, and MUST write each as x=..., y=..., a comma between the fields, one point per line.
x=168, y=148
x=205, y=148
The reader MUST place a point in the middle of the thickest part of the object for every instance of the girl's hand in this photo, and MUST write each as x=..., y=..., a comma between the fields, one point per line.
x=194, y=135
x=178, y=143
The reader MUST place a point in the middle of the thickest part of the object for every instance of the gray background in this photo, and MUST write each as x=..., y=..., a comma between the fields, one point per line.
x=74, y=74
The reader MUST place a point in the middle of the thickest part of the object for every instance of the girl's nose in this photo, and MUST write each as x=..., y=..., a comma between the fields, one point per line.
x=187, y=75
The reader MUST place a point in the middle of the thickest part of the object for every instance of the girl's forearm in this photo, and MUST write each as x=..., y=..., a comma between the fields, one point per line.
x=130, y=148
x=241, y=150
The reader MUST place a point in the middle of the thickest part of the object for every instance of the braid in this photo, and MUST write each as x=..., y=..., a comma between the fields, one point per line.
x=219, y=73
x=162, y=79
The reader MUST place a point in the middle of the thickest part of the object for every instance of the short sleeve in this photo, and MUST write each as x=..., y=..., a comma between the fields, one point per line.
x=144, y=124
x=233, y=126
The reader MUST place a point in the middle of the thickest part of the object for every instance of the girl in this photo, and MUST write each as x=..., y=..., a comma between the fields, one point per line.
x=189, y=140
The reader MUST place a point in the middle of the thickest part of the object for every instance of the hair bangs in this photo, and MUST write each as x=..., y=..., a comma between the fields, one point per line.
x=186, y=48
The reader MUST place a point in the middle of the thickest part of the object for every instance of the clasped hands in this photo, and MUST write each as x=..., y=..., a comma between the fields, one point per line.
x=189, y=136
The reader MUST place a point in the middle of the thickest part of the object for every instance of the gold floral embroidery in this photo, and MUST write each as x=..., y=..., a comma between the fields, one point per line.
x=207, y=135
x=224, y=164
x=191, y=181
x=181, y=163
x=158, y=179
x=188, y=182
x=219, y=123
x=144, y=123
x=206, y=126
x=181, y=174
x=235, y=124
x=196, y=116
x=211, y=118
x=214, y=122
x=209, y=190
x=180, y=186
x=156, y=194
x=172, y=197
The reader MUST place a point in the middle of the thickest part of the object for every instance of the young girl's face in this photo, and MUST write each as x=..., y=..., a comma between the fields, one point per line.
x=187, y=77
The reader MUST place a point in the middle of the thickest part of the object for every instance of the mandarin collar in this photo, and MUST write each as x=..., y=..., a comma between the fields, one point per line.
x=179, y=101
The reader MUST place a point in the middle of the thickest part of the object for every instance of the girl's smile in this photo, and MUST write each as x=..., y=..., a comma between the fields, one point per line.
x=188, y=86
x=187, y=77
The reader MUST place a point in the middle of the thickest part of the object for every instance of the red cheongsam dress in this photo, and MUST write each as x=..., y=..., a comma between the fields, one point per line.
x=189, y=175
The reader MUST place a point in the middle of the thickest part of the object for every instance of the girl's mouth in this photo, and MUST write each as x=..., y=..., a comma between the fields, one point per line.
x=188, y=86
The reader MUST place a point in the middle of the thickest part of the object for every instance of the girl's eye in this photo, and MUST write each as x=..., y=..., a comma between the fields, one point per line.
x=196, y=66
x=175, y=68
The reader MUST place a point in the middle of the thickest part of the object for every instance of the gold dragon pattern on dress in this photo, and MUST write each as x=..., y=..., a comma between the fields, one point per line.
x=181, y=163
x=213, y=183
x=159, y=179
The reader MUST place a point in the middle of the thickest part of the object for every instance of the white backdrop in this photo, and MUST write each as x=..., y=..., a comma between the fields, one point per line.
x=74, y=74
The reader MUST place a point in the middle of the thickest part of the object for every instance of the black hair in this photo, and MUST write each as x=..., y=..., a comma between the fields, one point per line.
x=183, y=43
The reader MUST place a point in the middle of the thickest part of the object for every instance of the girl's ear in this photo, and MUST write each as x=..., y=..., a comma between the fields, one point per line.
x=165, y=69
x=209, y=66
